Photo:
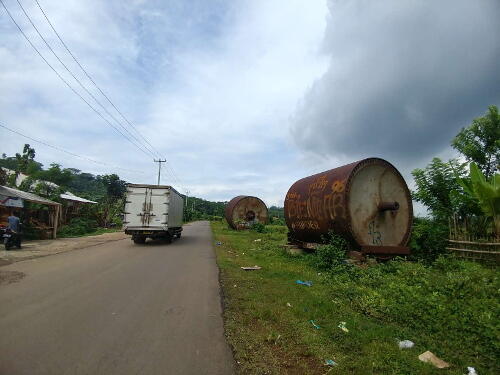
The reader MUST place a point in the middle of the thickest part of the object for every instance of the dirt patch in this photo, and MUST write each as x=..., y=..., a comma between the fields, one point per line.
x=9, y=277
x=41, y=248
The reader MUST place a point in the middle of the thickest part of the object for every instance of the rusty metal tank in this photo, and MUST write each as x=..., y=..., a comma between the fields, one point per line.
x=367, y=202
x=243, y=210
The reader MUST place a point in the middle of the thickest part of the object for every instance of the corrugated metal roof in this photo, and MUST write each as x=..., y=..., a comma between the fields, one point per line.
x=71, y=197
x=30, y=197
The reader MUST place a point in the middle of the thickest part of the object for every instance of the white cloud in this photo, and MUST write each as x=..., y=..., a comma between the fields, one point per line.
x=212, y=86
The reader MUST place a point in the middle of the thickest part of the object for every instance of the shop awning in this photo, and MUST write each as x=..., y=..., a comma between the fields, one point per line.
x=7, y=193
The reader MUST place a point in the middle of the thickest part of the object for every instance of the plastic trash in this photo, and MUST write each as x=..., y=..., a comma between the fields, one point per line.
x=257, y=240
x=218, y=243
x=342, y=326
x=314, y=324
x=406, y=344
x=289, y=304
x=431, y=358
x=330, y=362
x=472, y=371
x=254, y=268
x=307, y=283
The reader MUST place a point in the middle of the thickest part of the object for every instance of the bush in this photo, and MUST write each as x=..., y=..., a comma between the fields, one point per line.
x=258, y=227
x=332, y=254
x=428, y=239
x=78, y=227
x=452, y=301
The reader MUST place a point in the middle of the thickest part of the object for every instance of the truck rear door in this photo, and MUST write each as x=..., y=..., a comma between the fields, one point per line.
x=147, y=207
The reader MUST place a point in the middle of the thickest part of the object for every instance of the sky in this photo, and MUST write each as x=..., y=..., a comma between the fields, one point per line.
x=246, y=97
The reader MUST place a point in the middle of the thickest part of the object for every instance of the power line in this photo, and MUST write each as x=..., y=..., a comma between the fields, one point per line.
x=67, y=152
x=66, y=82
x=79, y=82
x=170, y=169
x=91, y=79
x=172, y=172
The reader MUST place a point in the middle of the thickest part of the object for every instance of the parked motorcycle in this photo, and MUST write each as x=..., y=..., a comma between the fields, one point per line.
x=10, y=238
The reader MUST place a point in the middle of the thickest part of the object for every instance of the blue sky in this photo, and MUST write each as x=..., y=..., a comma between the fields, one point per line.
x=246, y=97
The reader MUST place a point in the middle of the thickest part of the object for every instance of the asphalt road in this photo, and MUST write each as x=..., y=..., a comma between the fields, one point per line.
x=117, y=308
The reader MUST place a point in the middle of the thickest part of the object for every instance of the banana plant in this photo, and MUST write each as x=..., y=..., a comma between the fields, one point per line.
x=486, y=191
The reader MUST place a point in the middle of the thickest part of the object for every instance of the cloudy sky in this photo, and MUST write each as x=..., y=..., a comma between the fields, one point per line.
x=246, y=97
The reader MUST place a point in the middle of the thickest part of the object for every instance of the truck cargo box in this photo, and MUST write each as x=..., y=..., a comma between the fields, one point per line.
x=152, y=211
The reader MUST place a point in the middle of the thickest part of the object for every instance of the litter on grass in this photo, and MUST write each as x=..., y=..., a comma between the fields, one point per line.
x=472, y=371
x=342, y=326
x=431, y=358
x=314, y=324
x=307, y=283
x=257, y=240
x=254, y=268
x=330, y=362
x=406, y=344
x=218, y=243
x=289, y=304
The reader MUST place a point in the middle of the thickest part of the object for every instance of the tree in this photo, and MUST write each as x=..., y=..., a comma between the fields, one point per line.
x=24, y=160
x=439, y=190
x=480, y=142
x=115, y=188
x=485, y=191
x=56, y=175
x=110, y=206
x=3, y=177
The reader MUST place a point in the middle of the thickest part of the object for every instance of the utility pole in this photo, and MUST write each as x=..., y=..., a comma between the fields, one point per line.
x=159, y=161
x=187, y=194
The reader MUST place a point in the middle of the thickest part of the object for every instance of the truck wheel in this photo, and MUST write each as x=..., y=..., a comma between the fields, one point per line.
x=178, y=235
x=168, y=238
x=139, y=240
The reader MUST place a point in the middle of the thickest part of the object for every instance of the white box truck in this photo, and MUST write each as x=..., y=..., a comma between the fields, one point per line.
x=152, y=211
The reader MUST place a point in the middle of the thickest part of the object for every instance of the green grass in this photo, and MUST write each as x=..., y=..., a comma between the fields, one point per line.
x=450, y=308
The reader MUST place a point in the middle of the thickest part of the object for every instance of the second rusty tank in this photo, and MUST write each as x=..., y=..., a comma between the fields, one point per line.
x=243, y=211
x=367, y=202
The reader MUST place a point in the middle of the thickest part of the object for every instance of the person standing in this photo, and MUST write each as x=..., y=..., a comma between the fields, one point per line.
x=14, y=224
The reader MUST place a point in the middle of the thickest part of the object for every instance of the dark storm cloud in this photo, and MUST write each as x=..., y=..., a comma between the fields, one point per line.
x=404, y=77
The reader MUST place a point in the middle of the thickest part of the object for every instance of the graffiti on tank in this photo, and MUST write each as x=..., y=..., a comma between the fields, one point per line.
x=318, y=205
x=315, y=206
x=319, y=184
x=297, y=209
x=292, y=195
x=334, y=202
x=375, y=234
x=305, y=224
x=338, y=186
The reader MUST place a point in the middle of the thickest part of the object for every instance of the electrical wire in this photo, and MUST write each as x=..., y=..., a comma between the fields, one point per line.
x=66, y=82
x=79, y=82
x=68, y=152
x=92, y=80
x=169, y=169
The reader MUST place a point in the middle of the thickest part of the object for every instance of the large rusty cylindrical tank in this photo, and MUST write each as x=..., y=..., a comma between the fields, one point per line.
x=367, y=202
x=242, y=211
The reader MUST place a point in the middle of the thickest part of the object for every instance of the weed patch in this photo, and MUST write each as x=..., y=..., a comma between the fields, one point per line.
x=450, y=308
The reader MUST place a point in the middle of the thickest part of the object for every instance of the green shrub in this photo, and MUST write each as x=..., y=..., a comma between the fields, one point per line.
x=258, y=227
x=78, y=227
x=332, y=254
x=451, y=301
x=428, y=239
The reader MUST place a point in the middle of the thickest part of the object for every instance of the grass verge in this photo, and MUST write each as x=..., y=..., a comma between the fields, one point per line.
x=450, y=308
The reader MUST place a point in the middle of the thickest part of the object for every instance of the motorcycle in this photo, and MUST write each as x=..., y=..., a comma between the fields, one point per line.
x=10, y=238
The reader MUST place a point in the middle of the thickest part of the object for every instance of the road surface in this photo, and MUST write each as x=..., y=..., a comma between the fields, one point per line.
x=116, y=308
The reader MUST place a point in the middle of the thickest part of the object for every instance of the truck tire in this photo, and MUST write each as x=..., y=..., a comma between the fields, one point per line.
x=139, y=240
